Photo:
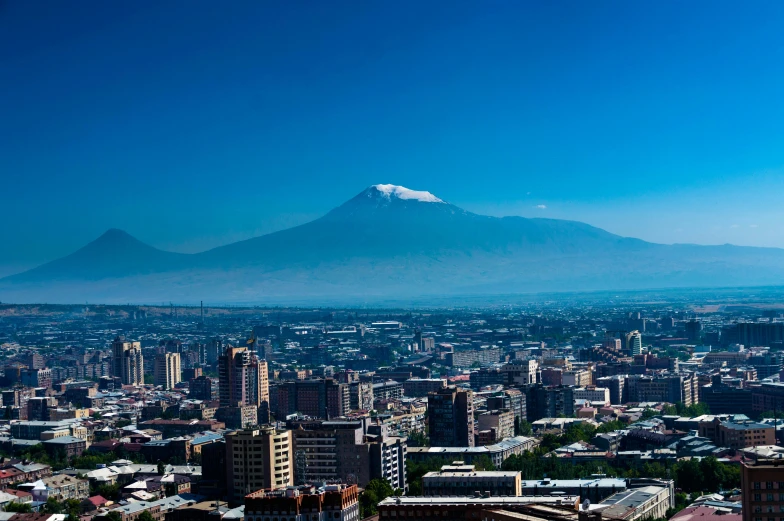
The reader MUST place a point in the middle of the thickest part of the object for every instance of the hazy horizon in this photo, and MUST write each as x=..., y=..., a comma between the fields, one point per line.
x=195, y=126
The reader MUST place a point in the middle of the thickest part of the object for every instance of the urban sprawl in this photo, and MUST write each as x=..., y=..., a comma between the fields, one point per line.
x=578, y=412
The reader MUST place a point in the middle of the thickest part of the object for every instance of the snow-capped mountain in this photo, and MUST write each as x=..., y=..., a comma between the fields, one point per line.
x=400, y=192
x=390, y=242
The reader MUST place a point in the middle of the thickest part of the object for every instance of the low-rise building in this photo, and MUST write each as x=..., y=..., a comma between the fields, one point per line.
x=63, y=487
x=497, y=452
x=592, y=489
x=459, y=479
x=305, y=503
x=499, y=422
x=647, y=502
x=465, y=507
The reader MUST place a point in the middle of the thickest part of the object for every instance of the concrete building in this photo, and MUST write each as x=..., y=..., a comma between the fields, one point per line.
x=451, y=417
x=762, y=484
x=421, y=387
x=521, y=372
x=471, y=507
x=36, y=378
x=500, y=422
x=592, y=489
x=460, y=479
x=497, y=452
x=549, y=402
x=769, y=396
x=739, y=435
x=257, y=459
x=349, y=451
x=672, y=388
x=317, y=398
x=168, y=372
x=649, y=502
x=512, y=399
x=592, y=394
x=634, y=343
x=305, y=503
x=243, y=379
x=361, y=396
x=200, y=388
x=577, y=377
x=127, y=361
x=387, y=390
x=63, y=487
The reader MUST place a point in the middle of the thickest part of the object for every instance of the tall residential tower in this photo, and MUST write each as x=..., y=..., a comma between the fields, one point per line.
x=127, y=362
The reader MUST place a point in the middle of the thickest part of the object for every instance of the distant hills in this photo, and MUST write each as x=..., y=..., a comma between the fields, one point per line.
x=389, y=242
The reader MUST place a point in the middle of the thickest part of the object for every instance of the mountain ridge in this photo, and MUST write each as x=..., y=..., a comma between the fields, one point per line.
x=391, y=241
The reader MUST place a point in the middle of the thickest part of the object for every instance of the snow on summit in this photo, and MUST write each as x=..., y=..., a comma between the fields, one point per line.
x=401, y=192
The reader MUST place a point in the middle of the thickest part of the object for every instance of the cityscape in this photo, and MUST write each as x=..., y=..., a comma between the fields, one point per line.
x=391, y=261
x=639, y=409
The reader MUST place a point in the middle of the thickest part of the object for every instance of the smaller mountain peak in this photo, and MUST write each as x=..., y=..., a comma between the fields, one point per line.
x=401, y=192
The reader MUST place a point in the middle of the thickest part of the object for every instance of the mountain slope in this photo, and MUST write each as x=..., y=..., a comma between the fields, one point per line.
x=113, y=254
x=390, y=242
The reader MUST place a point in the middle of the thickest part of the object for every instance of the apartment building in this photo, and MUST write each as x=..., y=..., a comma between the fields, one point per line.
x=258, y=459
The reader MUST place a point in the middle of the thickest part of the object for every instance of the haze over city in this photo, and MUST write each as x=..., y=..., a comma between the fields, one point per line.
x=391, y=261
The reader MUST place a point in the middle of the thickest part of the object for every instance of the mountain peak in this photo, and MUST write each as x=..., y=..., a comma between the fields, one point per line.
x=401, y=192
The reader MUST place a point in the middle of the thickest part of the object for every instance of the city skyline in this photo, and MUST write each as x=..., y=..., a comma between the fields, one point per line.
x=192, y=128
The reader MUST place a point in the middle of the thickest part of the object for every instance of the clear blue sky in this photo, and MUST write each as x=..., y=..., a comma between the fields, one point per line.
x=192, y=124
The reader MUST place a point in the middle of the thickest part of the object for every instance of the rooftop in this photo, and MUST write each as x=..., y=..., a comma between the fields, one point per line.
x=410, y=501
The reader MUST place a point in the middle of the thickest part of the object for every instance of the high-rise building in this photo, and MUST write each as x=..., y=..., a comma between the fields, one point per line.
x=522, y=372
x=257, y=459
x=634, y=343
x=212, y=350
x=200, y=388
x=548, y=402
x=451, y=417
x=672, y=388
x=350, y=451
x=616, y=385
x=36, y=377
x=167, y=370
x=317, y=398
x=127, y=362
x=243, y=378
x=693, y=329
x=762, y=484
x=500, y=423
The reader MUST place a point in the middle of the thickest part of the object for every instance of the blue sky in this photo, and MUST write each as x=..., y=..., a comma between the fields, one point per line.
x=193, y=124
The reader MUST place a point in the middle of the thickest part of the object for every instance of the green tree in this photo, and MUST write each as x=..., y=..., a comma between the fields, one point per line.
x=145, y=516
x=610, y=426
x=483, y=462
x=649, y=413
x=688, y=475
x=53, y=506
x=22, y=508
x=418, y=439
x=161, y=468
x=523, y=428
x=113, y=516
x=375, y=492
x=416, y=469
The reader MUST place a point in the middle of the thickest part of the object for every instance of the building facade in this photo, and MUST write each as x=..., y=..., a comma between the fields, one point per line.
x=451, y=417
x=168, y=372
x=127, y=361
x=243, y=378
x=257, y=459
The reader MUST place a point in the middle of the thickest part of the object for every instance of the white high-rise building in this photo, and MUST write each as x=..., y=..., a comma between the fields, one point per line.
x=168, y=372
x=634, y=341
x=127, y=362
